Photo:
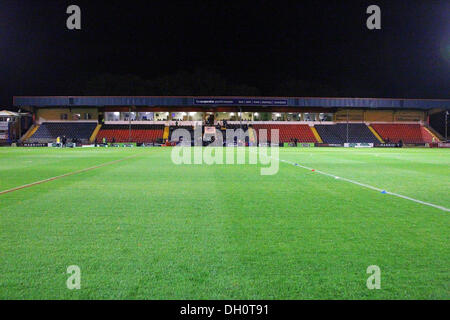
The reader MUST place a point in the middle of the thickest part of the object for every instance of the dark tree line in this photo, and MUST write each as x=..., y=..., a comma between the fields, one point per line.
x=200, y=82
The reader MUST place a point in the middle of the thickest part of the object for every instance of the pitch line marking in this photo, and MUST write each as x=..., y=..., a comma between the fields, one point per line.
x=368, y=186
x=65, y=175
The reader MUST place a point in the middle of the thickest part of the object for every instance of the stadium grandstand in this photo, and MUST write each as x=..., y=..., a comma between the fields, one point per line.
x=304, y=121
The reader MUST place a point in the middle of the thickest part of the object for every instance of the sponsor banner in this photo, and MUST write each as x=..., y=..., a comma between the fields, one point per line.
x=4, y=125
x=150, y=145
x=35, y=144
x=387, y=145
x=305, y=145
x=244, y=102
x=299, y=144
x=125, y=145
x=328, y=145
x=444, y=144
x=3, y=136
x=358, y=145
x=266, y=144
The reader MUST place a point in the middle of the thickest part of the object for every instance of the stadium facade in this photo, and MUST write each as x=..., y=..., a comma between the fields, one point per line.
x=304, y=120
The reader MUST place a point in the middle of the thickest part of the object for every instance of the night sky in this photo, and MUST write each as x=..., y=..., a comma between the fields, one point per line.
x=259, y=44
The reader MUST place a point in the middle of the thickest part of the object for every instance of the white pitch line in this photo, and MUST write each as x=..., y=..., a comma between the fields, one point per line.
x=368, y=186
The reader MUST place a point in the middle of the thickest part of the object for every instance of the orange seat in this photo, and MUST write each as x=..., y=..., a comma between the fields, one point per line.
x=408, y=133
x=288, y=132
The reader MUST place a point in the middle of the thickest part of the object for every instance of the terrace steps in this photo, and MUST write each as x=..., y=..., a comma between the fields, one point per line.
x=94, y=134
x=433, y=133
x=316, y=134
x=166, y=133
x=426, y=132
x=30, y=132
x=375, y=133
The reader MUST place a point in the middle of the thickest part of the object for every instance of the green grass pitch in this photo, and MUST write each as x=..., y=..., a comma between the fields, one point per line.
x=145, y=228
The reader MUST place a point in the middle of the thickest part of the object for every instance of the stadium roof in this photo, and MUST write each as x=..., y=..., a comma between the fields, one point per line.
x=185, y=101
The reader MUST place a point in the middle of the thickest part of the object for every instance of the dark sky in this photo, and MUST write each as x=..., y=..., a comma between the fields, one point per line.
x=259, y=44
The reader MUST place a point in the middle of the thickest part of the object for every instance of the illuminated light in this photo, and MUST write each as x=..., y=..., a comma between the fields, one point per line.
x=192, y=113
x=256, y=114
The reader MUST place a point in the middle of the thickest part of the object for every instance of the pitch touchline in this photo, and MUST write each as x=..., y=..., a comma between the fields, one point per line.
x=65, y=175
x=368, y=186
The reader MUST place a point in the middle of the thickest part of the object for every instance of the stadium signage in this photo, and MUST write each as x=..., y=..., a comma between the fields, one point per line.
x=3, y=125
x=305, y=145
x=329, y=145
x=358, y=145
x=246, y=102
x=35, y=144
x=387, y=145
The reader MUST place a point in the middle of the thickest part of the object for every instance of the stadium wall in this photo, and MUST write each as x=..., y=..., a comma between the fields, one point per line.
x=379, y=115
x=57, y=114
